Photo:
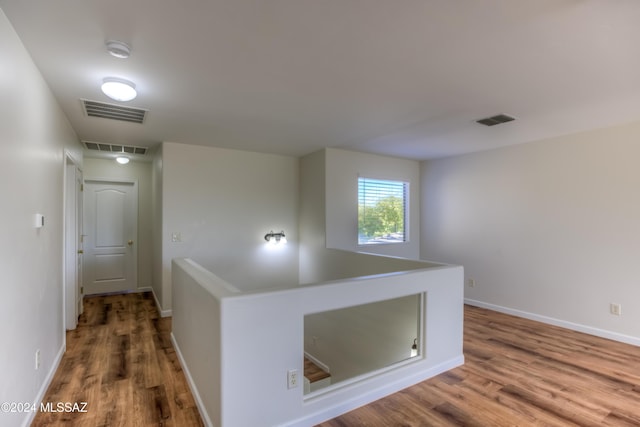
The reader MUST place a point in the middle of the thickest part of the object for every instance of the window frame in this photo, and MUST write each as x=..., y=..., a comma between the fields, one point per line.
x=406, y=201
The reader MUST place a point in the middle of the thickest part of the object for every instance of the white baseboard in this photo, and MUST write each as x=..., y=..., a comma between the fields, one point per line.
x=375, y=394
x=45, y=385
x=602, y=333
x=163, y=313
x=192, y=386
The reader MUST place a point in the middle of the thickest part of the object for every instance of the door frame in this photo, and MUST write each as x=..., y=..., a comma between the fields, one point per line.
x=134, y=184
x=72, y=236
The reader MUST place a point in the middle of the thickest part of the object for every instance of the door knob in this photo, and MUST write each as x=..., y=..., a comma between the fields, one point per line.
x=130, y=242
x=80, y=251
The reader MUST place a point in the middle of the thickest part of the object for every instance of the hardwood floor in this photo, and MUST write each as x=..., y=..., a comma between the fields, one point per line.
x=120, y=361
x=518, y=373
x=313, y=372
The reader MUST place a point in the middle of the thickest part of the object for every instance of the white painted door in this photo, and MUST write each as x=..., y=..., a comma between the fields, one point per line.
x=110, y=226
x=73, y=244
x=79, y=291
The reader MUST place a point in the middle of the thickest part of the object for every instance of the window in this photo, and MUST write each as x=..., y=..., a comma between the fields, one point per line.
x=382, y=207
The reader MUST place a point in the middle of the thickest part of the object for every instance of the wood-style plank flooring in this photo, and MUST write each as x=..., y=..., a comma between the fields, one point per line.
x=518, y=373
x=121, y=362
x=313, y=372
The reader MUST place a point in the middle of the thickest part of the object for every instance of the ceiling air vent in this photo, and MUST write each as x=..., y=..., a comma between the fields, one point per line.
x=114, y=148
x=114, y=112
x=495, y=120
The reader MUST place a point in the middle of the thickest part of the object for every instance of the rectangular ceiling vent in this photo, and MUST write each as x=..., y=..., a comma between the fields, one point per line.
x=113, y=112
x=496, y=120
x=114, y=148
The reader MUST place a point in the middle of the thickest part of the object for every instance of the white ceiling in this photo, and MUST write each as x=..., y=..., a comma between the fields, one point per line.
x=400, y=77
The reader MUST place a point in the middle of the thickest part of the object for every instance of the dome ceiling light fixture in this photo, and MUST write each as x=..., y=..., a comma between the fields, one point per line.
x=118, y=49
x=123, y=160
x=119, y=89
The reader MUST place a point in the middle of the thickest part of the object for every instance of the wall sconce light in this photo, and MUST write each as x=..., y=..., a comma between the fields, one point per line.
x=414, y=348
x=274, y=238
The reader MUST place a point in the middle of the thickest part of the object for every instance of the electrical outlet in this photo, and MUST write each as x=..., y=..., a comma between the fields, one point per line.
x=38, y=360
x=471, y=283
x=615, y=309
x=292, y=378
x=176, y=237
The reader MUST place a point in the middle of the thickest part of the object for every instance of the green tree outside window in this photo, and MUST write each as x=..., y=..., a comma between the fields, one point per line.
x=381, y=211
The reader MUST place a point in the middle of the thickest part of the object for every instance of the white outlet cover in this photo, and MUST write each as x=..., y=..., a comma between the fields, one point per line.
x=292, y=378
x=615, y=309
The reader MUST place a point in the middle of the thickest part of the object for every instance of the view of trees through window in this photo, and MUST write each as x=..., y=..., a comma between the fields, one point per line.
x=381, y=211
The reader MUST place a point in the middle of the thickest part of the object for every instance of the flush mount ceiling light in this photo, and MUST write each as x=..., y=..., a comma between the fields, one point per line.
x=122, y=160
x=119, y=89
x=118, y=49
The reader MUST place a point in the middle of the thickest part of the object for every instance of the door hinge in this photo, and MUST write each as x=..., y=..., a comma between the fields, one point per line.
x=82, y=290
x=81, y=187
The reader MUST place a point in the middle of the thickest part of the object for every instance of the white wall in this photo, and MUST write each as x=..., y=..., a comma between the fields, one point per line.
x=157, y=282
x=361, y=339
x=197, y=331
x=547, y=229
x=258, y=338
x=342, y=171
x=140, y=172
x=223, y=202
x=329, y=204
x=33, y=134
x=312, y=216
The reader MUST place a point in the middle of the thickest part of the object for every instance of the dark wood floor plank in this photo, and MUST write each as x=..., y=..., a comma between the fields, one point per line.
x=162, y=411
x=118, y=368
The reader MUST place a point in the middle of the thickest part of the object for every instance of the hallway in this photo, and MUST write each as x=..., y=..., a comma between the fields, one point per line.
x=120, y=361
